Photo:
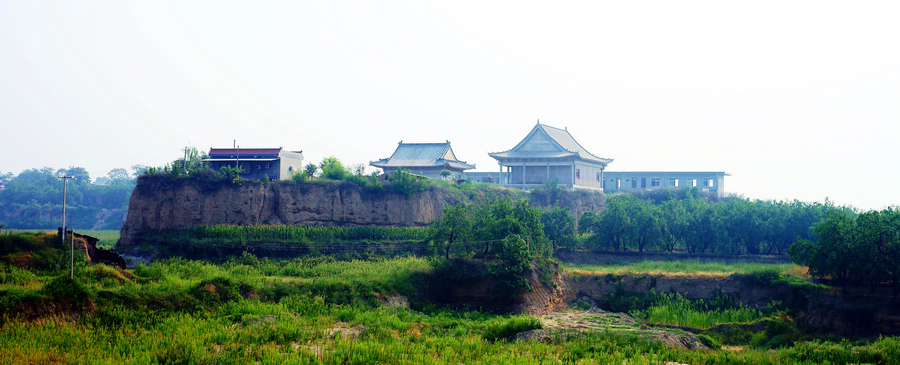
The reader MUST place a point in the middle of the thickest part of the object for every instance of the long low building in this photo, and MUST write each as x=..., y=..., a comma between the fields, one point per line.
x=713, y=181
x=257, y=163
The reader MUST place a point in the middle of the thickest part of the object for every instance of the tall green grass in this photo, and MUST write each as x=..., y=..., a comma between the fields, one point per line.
x=675, y=310
x=253, y=310
x=288, y=234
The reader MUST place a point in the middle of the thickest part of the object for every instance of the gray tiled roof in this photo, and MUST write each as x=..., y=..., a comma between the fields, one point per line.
x=564, y=145
x=422, y=155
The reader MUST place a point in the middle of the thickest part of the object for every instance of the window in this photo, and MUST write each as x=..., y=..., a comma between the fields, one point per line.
x=267, y=165
x=618, y=184
x=258, y=167
x=708, y=182
x=577, y=173
x=655, y=182
x=598, y=177
x=673, y=182
x=692, y=182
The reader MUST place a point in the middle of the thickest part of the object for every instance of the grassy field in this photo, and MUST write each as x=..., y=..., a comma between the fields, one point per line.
x=251, y=310
x=315, y=310
x=688, y=268
x=108, y=238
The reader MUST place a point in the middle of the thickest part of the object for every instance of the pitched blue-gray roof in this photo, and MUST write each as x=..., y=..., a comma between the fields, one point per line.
x=562, y=143
x=422, y=155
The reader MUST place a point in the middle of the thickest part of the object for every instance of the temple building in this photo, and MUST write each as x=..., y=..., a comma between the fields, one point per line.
x=425, y=159
x=548, y=153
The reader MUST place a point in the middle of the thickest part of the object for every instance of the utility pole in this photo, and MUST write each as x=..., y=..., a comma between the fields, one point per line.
x=184, y=165
x=65, y=179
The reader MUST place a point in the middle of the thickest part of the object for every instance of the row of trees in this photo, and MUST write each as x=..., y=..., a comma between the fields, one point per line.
x=689, y=223
x=33, y=198
x=854, y=248
x=480, y=227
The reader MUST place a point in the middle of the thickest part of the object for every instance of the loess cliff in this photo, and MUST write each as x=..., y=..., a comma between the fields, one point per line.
x=165, y=204
x=160, y=203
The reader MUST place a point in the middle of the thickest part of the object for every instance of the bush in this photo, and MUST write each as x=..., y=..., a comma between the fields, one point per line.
x=299, y=177
x=332, y=168
x=63, y=289
x=220, y=290
x=709, y=342
x=505, y=330
x=406, y=183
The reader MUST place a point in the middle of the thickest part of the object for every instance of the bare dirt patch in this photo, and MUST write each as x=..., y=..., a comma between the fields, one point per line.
x=561, y=325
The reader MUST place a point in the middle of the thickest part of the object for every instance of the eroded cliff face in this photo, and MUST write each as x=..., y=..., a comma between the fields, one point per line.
x=163, y=204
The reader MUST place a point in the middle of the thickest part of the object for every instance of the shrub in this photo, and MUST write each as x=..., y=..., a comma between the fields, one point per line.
x=332, y=168
x=406, y=183
x=65, y=290
x=709, y=342
x=506, y=329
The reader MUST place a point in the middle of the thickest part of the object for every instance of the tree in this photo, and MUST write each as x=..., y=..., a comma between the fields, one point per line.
x=559, y=226
x=832, y=255
x=79, y=174
x=358, y=168
x=311, y=169
x=878, y=247
x=190, y=160
x=332, y=168
x=513, y=258
x=455, y=226
x=646, y=229
x=613, y=226
x=445, y=174
x=673, y=224
x=138, y=169
x=6, y=178
x=118, y=174
x=704, y=226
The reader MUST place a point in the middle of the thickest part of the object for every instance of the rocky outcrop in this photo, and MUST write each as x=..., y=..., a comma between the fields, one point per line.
x=159, y=204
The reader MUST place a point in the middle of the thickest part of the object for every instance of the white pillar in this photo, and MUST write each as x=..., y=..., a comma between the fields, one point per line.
x=523, y=173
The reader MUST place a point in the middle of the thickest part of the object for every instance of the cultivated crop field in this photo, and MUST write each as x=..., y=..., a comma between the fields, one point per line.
x=247, y=309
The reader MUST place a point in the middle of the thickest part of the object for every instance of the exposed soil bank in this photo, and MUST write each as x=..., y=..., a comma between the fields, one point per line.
x=160, y=203
x=816, y=310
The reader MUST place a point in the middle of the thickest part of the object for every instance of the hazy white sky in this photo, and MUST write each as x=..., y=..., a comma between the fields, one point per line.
x=797, y=100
